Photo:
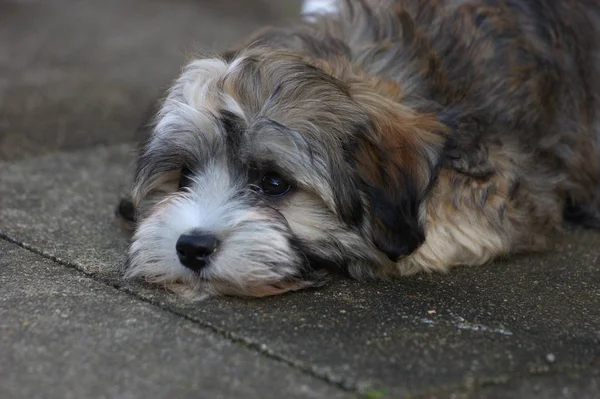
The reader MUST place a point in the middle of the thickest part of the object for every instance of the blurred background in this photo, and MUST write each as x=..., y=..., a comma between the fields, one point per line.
x=77, y=73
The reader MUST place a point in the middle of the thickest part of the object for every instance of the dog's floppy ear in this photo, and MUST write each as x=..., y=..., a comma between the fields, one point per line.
x=396, y=163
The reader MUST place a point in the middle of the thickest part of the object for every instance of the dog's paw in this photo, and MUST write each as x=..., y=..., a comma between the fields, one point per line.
x=585, y=216
x=465, y=153
x=125, y=211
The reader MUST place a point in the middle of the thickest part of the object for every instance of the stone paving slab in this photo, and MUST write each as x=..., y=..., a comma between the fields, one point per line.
x=571, y=384
x=476, y=328
x=575, y=384
x=75, y=73
x=64, y=335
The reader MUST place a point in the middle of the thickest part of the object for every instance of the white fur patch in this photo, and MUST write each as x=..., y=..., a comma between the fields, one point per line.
x=320, y=6
x=200, y=77
x=233, y=106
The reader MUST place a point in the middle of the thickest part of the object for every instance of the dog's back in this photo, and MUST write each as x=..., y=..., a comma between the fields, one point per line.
x=526, y=67
x=532, y=69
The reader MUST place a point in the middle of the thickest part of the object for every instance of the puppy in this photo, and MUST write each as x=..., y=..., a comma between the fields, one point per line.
x=388, y=138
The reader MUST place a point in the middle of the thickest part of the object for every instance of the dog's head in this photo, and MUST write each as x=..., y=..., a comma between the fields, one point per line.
x=265, y=167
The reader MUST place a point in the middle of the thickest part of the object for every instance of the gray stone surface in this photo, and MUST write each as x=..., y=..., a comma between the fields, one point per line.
x=574, y=384
x=418, y=335
x=77, y=73
x=64, y=335
x=54, y=201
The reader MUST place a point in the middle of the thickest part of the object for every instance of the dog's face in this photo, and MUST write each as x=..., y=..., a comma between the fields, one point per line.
x=265, y=169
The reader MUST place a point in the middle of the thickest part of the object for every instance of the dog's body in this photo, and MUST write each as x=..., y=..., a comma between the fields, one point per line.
x=390, y=138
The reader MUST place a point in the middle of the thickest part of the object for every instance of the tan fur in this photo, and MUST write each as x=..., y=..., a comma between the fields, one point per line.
x=471, y=221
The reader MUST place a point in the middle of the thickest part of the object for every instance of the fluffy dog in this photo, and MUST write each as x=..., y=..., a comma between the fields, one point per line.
x=390, y=138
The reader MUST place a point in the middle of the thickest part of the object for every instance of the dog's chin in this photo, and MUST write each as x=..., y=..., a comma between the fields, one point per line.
x=196, y=287
x=259, y=289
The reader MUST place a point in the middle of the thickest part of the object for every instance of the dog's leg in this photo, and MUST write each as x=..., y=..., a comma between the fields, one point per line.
x=584, y=215
x=464, y=151
x=470, y=221
x=125, y=211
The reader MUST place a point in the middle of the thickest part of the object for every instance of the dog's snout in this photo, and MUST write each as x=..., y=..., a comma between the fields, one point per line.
x=194, y=249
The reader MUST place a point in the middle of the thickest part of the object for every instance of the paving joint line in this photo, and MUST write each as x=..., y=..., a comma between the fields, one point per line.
x=237, y=339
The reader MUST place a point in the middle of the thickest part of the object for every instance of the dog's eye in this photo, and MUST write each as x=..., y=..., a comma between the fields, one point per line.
x=185, y=180
x=274, y=185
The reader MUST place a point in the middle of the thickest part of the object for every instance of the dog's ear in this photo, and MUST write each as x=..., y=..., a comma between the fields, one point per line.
x=397, y=162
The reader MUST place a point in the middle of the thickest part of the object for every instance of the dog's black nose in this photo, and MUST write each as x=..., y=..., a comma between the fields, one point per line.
x=194, y=249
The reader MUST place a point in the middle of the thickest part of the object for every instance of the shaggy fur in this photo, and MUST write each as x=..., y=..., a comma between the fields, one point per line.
x=416, y=135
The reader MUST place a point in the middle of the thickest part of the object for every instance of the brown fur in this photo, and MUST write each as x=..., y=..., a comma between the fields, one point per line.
x=419, y=134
